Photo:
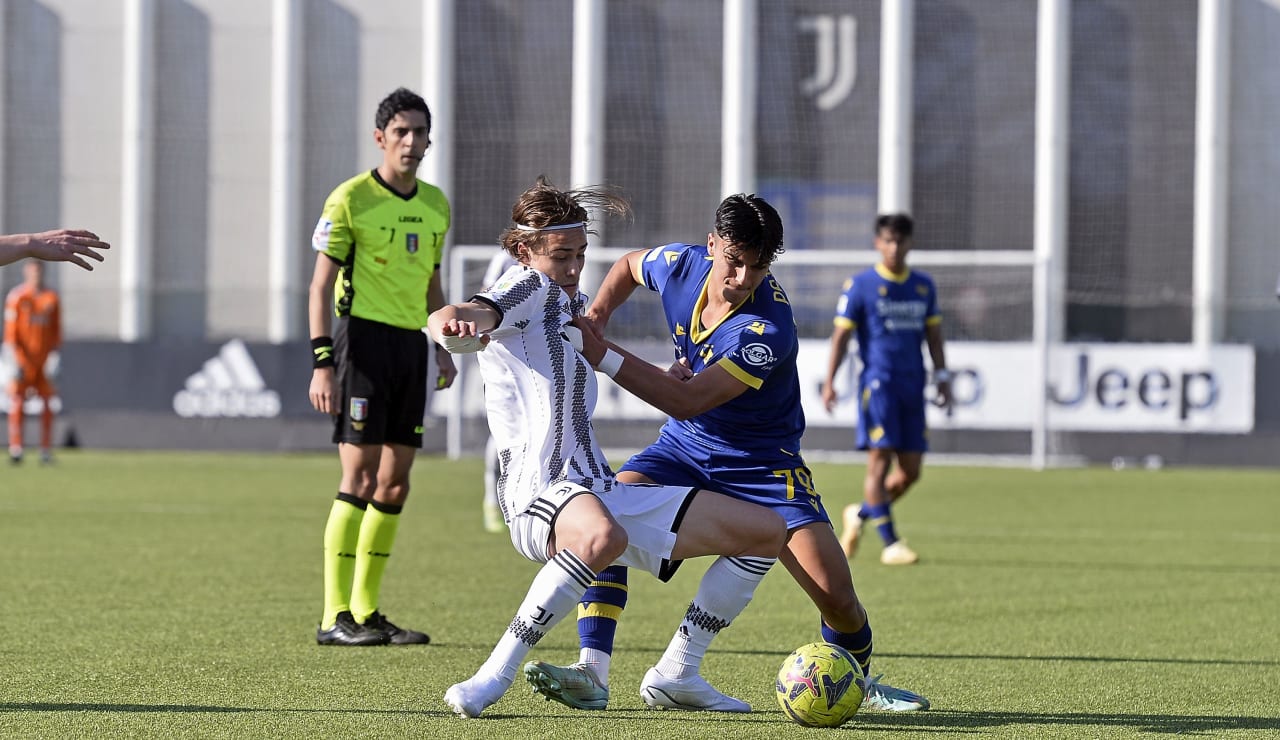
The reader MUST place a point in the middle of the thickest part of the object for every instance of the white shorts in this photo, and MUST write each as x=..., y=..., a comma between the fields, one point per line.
x=650, y=513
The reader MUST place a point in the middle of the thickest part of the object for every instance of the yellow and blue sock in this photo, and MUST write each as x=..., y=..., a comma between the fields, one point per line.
x=857, y=643
x=598, y=615
x=881, y=516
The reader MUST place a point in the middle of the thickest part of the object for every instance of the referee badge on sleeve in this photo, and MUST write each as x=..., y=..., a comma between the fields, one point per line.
x=320, y=236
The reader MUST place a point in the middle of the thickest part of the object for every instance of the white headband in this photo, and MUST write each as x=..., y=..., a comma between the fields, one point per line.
x=561, y=227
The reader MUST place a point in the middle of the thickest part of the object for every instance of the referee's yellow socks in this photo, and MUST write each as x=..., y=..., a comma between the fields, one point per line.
x=341, y=536
x=377, y=535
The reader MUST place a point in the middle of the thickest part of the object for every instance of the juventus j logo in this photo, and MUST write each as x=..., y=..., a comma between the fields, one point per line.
x=542, y=617
x=836, y=64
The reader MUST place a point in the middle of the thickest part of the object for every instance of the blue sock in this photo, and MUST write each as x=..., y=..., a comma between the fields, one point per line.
x=600, y=608
x=879, y=515
x=857, y=643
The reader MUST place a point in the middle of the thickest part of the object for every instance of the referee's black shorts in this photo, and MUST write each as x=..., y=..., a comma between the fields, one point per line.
x=382, y=383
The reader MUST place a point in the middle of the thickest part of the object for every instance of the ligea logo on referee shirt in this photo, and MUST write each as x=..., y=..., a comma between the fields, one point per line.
x=228, y=385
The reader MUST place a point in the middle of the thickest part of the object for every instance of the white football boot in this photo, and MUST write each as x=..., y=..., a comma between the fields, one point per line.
x=692, y=694
x=898, y=554
x=476, y=694
x=886, y=698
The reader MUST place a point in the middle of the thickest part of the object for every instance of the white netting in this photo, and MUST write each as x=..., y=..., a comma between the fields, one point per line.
x=1133, y=93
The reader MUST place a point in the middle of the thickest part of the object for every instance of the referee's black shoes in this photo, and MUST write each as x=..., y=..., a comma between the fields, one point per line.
x=394, y=635
x=346, y=631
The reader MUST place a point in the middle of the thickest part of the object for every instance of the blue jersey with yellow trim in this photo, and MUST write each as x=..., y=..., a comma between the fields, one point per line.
x=888, y=313
x=756, y=343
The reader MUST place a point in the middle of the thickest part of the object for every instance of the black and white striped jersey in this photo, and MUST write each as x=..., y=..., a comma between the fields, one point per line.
x=539, y=392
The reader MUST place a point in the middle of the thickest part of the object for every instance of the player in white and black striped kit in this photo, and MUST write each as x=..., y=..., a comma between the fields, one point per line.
x=557, y=491
x=489, y=509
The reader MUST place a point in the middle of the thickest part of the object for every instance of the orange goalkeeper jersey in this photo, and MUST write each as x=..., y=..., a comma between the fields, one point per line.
x=32, y=324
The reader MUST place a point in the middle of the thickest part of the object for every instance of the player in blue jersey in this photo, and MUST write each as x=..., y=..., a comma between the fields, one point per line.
x=564, y=507
x=735, y=426
x=892, y=310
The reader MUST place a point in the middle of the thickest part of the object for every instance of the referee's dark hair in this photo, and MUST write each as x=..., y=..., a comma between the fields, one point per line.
x=400, y=100
x=899, y=223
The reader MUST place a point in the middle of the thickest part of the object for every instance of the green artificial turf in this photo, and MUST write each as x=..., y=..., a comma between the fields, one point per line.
x=177, y=595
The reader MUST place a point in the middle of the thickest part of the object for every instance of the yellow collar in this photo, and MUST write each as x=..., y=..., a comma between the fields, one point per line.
x=696, y=333
x=887, y=274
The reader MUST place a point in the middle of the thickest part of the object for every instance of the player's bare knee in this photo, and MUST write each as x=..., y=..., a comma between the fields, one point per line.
x=598, y=547
x=615, y=543
x=770, y=536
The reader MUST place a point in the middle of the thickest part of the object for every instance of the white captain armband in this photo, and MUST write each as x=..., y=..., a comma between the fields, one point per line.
x=610, y=364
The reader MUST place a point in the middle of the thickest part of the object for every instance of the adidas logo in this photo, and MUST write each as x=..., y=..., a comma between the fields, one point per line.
x=228, y=385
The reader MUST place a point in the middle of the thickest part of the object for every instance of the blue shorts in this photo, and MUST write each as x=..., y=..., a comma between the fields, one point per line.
x=891, y=416
x=777, y=481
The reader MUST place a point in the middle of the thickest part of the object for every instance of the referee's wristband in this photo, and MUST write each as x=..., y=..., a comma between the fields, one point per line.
x=942, y=375
x=321, y=352
x=610, y=364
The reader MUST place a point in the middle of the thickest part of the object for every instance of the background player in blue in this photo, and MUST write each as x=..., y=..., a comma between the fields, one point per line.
x=892, y=310
x=736, y=422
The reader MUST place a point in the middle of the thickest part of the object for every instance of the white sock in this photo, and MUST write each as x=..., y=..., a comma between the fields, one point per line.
x=599, y=662
x=724, y=592
x=553, y=595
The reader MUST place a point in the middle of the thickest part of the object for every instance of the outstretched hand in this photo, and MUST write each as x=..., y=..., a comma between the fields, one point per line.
x=67, y=245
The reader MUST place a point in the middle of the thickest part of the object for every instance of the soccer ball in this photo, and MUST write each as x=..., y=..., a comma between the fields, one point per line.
x=820, y=685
